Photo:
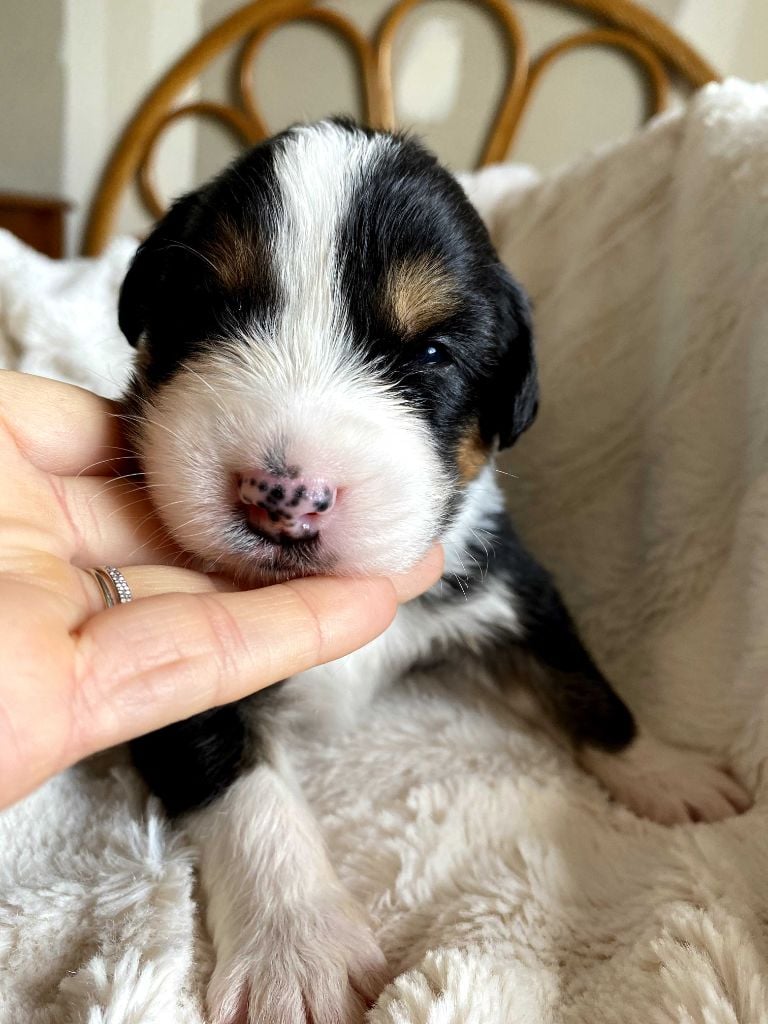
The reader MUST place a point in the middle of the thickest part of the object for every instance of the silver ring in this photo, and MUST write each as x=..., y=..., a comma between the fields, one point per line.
x=113, y=585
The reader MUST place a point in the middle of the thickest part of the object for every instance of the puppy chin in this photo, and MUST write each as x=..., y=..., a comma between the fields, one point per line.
x=264, y=569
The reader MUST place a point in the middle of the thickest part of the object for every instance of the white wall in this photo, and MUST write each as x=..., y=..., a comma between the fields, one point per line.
x=749, y=57
x=31, y=83
x=73, y=71
x=114, y=50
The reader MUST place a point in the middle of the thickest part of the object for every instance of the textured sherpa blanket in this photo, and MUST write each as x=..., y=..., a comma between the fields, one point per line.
x=507, y=888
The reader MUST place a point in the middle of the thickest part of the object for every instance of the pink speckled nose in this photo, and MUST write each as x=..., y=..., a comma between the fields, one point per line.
x=285, y=506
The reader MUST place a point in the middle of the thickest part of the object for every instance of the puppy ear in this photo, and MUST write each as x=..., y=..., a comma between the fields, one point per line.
x=511, y=400
x=138, y=291
x=150, y=267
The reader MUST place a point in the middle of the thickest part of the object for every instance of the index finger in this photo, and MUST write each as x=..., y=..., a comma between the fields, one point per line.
x=162, y=659
x=60, y=428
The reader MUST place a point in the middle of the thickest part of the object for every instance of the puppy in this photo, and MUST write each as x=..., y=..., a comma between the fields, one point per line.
x=329, y=355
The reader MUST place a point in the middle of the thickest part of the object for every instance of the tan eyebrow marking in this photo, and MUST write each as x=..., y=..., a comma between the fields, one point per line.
x=235, y=254
x=418, y=293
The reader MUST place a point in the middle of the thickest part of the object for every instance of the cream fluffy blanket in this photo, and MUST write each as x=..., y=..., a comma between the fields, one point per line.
x=506, y=886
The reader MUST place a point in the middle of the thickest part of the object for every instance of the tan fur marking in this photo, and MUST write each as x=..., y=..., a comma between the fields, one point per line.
x=419, y=292
x=235, y=257
x=471, y=454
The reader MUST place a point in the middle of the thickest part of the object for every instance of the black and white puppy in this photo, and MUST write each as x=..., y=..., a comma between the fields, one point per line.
x=329, y=355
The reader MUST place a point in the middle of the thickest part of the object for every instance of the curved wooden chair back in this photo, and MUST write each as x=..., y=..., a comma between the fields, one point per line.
x=619, y=24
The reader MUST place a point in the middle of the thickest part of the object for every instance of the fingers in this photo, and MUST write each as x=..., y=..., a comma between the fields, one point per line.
x=143, y=665
x=166, y=657
x=60, y=428
x=88, y=520
x=151, y=581
x=155, y=580
x=117, y=673
x=111, y=521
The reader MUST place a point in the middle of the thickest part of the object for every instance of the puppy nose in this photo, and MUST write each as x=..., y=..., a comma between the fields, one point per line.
x=286, y=505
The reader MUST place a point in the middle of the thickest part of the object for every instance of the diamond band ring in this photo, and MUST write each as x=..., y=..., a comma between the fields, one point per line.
x=113, y=585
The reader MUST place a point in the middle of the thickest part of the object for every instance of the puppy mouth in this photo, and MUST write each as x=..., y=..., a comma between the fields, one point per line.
x=281, y=530
x=261, y=555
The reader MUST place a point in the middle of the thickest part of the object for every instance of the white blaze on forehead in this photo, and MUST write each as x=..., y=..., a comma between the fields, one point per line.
x=318, y=169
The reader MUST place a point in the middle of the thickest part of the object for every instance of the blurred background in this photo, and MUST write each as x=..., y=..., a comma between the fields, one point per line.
x=73, y=72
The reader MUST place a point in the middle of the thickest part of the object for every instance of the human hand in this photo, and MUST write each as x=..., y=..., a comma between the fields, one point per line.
x=77, y=677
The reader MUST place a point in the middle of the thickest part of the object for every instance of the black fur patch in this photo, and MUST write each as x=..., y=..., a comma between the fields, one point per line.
x=407, y=208
x=205, y=267
x=191, y=763
x=549, y=655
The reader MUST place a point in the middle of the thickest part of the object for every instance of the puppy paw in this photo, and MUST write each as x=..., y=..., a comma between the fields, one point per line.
x=666, y=784
x=321, y=965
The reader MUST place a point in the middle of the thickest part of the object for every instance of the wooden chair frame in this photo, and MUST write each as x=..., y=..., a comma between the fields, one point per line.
x=620, y=24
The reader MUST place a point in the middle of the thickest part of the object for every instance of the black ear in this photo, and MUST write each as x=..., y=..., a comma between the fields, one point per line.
x=511, y=400
x=138, y=291
x=156, y=258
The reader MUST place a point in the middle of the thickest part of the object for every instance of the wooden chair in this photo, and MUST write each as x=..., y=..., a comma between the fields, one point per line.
x=619, y=24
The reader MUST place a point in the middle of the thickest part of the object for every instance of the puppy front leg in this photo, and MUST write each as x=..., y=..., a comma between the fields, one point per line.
x=291, y=945
x=652, y=778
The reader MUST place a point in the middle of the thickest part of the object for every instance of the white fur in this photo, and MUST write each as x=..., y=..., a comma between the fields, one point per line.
x=318, y=169
x=473, y=525
x=290, y=941
x=335, y=694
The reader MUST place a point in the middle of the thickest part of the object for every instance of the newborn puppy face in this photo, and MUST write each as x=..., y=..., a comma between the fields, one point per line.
x=328, y=351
